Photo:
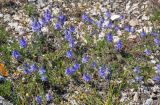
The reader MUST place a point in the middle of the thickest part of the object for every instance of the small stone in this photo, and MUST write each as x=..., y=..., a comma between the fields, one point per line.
x=45, y=29
x=153, y=61
x=115, y=39
x=149, y=102
x=31, y=0
x=13, y=24
x=136, y=96
x=73, y=102
x=144, y=17
x=41, y=3
x=115, y=17
x=16, y=17
x=133, y=22
x=1, y=15
x=150, y=82
x=156, y=89
x=7, y=18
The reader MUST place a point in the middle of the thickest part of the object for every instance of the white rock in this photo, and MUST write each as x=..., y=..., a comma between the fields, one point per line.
x=149, y=102
x=132, y=37
x=55, y=11
x=115, y=39
x=156, y=88
x=147, y=29
x=101, y=35
x=128, y=5
x=153, y=61
x=144, y=17
x=13, y=24
x=41, y=3
x=45, y=29
x=106, y=22
x=1, y=15
x=7, y=17
x=150, y=81
x=16, y=17
x=136, y=96
x=73, y=102
x=114, y=17
x=133, y=22
x=119, y=33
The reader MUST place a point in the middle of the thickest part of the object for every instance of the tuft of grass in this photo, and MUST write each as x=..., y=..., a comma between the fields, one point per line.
x=5, y=89
x=156, y=16
x=30, y=9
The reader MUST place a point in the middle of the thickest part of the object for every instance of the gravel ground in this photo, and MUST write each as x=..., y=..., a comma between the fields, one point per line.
x=136, y=13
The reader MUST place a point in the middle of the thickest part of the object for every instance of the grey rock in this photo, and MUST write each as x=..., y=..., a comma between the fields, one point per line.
x=7, y=18
x=4, y=102
x=148, y=102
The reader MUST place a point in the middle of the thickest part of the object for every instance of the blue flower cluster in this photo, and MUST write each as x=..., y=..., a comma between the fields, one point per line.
x=137, y=72
x=45, y=19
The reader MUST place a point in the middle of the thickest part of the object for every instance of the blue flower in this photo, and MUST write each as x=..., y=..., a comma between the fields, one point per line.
x=127, y=28
x=132, y=30
x=39, y=100
x=23, y=43
x=33, y=68
x=142, y=34
x=108, y=14
x=43, y=78
x=76, y=66
x=85, y=59
x=68, y=35
x=36, y=26
x=43, y=20
x=86, y=77
x=71, y=43
x=158, y=68
x=69, y=54
x=26, y=71
x=156, y=41
x=138, y=78
x=110, y=24
x=109, y=37
x=103, y=71
x=47, y=15
x=137, y=70
x=119, y=45
x=121, y=17
x=48, y=97
x=69, y=71
x=71, y=29
x=156, y=78
x=58, y=26
x=26, y=65
x=61, y=18
x=16, y=54
x=117, y=28
x=93, y=65
x=147, y=51
x=155, y=34
x=99, y=25
x=42, y=70
x=85, y=18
